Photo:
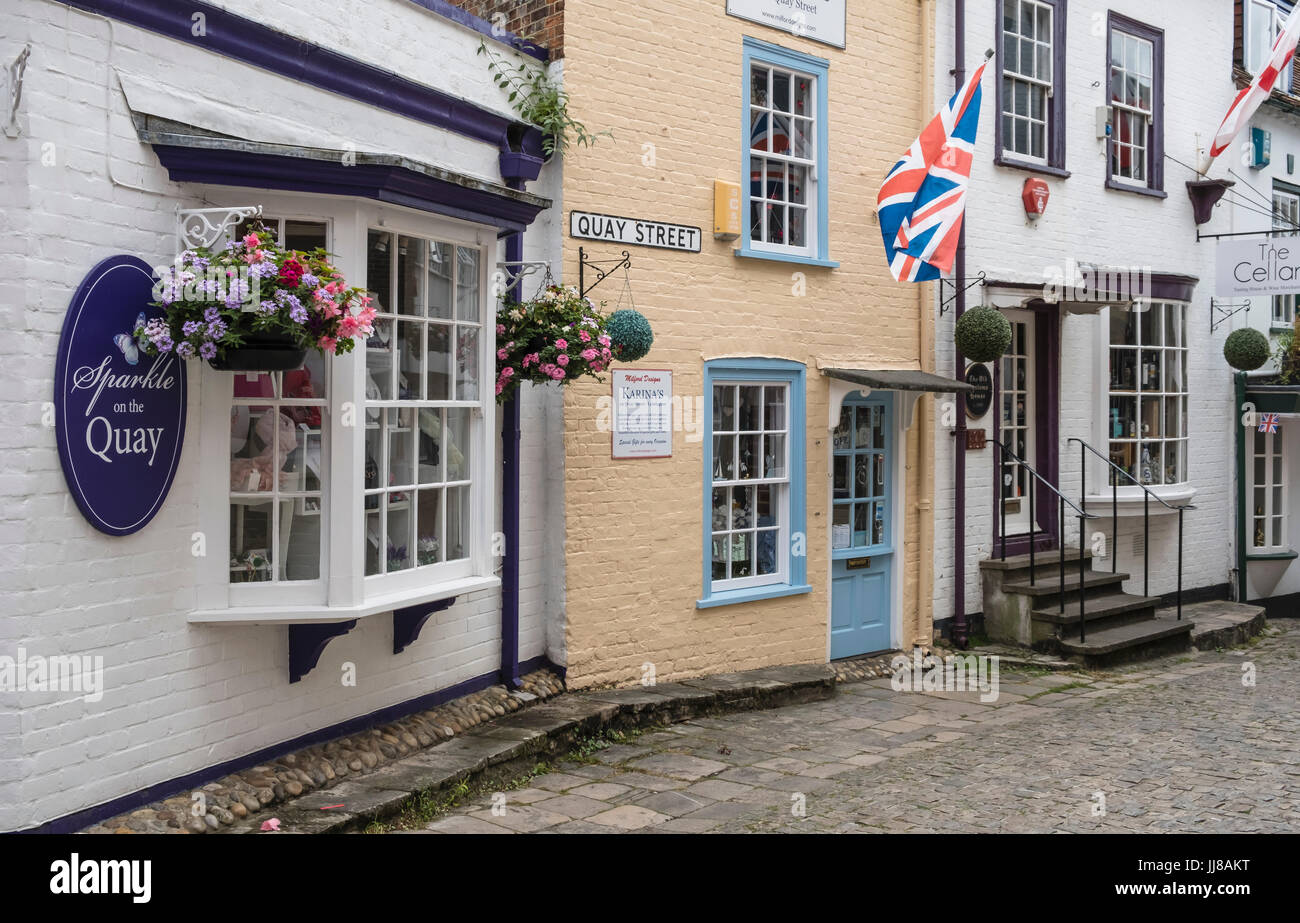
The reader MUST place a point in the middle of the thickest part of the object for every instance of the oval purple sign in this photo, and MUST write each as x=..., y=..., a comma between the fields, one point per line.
x=119, y=414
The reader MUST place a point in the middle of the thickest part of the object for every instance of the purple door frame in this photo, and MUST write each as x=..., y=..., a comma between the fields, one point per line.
x=1047, y=424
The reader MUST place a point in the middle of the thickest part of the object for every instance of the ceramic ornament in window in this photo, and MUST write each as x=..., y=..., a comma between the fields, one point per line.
x=258, y=473
x=254, y=306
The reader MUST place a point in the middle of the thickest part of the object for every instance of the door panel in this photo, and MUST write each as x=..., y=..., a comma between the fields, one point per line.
x=862, y=549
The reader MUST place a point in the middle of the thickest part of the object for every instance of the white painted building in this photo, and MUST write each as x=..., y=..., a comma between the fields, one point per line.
x=1146, y=388
x=1267, y=195
x=130, y=112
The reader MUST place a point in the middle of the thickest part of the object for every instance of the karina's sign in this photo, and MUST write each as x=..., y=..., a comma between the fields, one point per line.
x=119, y=414
x=1267, y=266
x=643, y=413
x=819, y=20
x=634, y=231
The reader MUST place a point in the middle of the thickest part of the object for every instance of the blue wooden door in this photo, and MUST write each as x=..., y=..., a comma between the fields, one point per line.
x=862, y=540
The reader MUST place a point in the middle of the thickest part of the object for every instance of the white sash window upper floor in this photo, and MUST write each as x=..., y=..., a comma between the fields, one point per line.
x=1261, y=24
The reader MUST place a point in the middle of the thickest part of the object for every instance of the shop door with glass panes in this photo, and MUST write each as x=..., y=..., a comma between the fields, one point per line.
x=862, y=543
x=1019, y=406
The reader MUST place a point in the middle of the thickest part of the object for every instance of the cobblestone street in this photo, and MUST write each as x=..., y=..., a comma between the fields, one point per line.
x=1175, y=745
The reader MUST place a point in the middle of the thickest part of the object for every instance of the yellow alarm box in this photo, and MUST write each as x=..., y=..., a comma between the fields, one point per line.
x=726, y=210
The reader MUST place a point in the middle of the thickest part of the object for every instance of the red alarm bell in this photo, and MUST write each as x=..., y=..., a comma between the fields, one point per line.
x=1035, y=198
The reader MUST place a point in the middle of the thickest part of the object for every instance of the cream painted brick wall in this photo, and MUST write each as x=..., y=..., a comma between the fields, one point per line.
x=671, y=76
x=181, y=697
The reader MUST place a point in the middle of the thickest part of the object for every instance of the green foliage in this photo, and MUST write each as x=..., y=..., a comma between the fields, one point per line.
x=1287, y=354
x=1246, y=349
x=982, y=334
x=540, y=101
x=630, y=333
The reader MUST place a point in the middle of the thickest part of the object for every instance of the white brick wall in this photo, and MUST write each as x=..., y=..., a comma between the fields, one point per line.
x=1088, y=223
x=183, y=697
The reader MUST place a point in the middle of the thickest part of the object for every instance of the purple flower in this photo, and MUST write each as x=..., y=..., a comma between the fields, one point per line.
x=298, y=314
x=190, y=327
x=267, y=307
x=309, y=280
x=163, y=343
x=211, y=315
x=208, y=350
x=264, y=269
x=185, y=351
x=216, y=329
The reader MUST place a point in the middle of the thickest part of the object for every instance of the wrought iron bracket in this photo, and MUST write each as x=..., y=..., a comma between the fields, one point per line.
x=980, y=279
x=601, y=274
x=307, y=642
x=14, y=82
x=513, y=272
x=408, y=622
x=203, y=227
x=1223, y=308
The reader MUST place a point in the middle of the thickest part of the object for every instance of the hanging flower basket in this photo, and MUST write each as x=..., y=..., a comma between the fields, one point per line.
x=255, y=307
x=262, y=352
x=558, y=336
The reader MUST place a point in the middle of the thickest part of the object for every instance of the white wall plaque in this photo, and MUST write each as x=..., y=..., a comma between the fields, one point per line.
x=643, y=413
x=819, y=20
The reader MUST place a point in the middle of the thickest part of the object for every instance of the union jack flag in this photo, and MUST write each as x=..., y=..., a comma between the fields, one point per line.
x=1268, y=423
x=923, y=198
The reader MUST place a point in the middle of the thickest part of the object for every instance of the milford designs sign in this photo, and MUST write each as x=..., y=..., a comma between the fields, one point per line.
x=1270, y=266
x=119, y=414
x=636, y=231
x=643, y=413
x=819, y=20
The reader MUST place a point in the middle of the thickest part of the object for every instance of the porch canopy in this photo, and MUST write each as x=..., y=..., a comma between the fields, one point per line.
x=911, y=383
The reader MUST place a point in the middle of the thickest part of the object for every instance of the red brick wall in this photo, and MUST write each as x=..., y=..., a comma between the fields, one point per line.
x=538, y=21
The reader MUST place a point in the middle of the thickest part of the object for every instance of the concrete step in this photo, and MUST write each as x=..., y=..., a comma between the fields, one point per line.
x=1050, y=585
x=1108, y=645
x=1016, y=566
x=1218, y=623
x=1105, y=608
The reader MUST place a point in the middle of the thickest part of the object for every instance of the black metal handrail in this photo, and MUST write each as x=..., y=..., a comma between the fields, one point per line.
x=1147, y=496
x=1033, y=527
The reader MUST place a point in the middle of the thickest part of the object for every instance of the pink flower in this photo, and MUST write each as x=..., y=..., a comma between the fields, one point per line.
x=500, y=387
x=561, y=344
x=589, y=354
x=603, y=340
x=501, y=329
x=606, y=354
x=501, y=354
x=327, y=343
x=597, y=367
x=557, y=374
x=562, y=359
x=507, y=372
x=251, y=240
x=584, y=336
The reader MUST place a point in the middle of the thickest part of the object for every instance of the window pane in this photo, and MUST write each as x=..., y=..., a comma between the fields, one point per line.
x=305, y=235
x=798, y=226
x=430, y=443
x=440, y=280
x=455, y=446
x=721, y=509
x=781, y=91
x=458, y=523
x=300, y=535
x=437, y=361
x=767, y=563
x=372, y=540
x=724, y=458
x=862, y=476
x=379, y=270
x=428, y=545
x=767, y=495
x=398, y=555
x=467, y=363
x=410, y=349
x=379, y=362
x=840, y=477
x=410, y=275
x=758, y=86
x=804, y=140
x=773, y=456
x=397, y=426
x=251, y=542
x=803, y=104
x=774, y=408
x=724, y=408
x=742, y=554
x=467, y=284
x=780, y=134
x=747, y=456
x=798, y=184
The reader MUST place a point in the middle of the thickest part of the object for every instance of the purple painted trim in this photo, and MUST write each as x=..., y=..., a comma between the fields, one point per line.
x=71, y=823
x=409, y=622
x=250, y=41
x=483, y=27
x=1169, y=286
x=960, y=628
x=307, y=643
x=1055, y=103
x=1156, y=132
x=383, y=182
x=510, y=437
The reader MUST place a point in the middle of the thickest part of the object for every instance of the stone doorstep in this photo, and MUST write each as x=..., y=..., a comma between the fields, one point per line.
x=501, y=748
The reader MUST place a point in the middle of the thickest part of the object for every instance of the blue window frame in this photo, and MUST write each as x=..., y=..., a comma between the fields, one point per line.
x=755, y=481
x=784, y=137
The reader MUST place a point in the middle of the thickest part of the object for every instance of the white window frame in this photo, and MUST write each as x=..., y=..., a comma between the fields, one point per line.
x=1260, y=16
x=1286, y=221
x=759, y=160
x=343, y=590
x=781, y=487
x=1169, y=351
x=1036, y=82
x=1273, y=445
x=1135, y=114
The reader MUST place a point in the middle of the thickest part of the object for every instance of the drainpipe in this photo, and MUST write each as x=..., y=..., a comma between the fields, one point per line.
x=510, y=513
x=925, y=421
x=960, y=632
x=1239, y=389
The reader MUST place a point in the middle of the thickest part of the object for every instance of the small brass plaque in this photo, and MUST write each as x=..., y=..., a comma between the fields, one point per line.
x=857, y=563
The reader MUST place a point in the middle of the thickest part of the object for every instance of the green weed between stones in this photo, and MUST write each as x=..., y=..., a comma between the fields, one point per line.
x=1055, y=689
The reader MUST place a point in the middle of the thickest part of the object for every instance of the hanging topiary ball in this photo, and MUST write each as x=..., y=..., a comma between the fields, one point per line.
x=1246, y=349
x=629, y=334
x=982, y=334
